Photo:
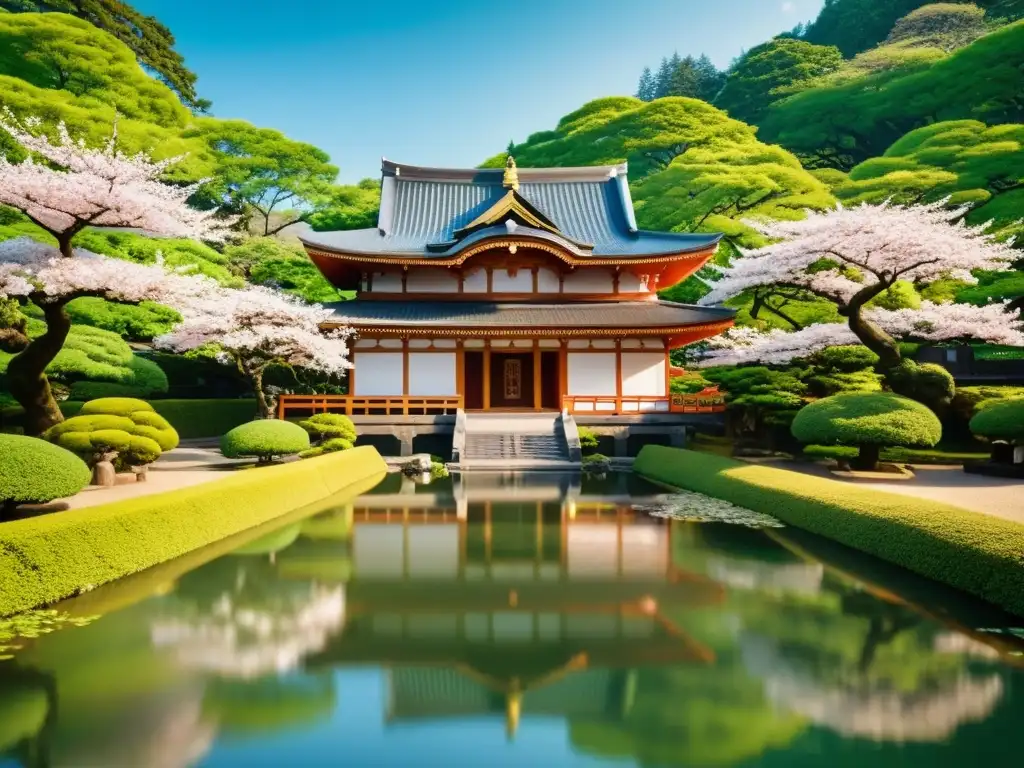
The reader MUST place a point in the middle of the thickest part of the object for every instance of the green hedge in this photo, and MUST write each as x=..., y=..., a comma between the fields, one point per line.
x=976, y=553
x=265, y=438
x=34, y=471
x=48, y=558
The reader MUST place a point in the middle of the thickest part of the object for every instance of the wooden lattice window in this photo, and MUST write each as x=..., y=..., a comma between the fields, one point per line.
x=513, y=379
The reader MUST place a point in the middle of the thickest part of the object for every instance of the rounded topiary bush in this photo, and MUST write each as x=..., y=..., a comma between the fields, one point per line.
x=1000, y=420
x=130, y=428
x=327, y=426
x=868, y=420
x=34, y=471
x=264, y=439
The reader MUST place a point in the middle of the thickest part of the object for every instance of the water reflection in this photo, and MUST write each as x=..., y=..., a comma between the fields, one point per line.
x=519, y=620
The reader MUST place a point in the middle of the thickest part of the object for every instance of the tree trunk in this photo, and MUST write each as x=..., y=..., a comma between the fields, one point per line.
x=867, y=459
x=26, y=377
x=262, y=406
x=870, y=335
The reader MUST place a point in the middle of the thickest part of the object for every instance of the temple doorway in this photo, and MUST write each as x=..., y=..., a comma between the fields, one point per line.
x=512, y=380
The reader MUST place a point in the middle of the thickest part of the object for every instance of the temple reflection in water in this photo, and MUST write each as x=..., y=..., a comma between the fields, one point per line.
x=528, y=599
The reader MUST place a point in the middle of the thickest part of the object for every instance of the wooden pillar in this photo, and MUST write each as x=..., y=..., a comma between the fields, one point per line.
x=618, y=376
x=668, y=374
x=352, y=375
x=563, y=372
x=538, y=402
x=487, y=375
x=405, y=377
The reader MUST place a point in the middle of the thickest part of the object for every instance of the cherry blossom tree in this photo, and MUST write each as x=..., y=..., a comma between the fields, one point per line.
x=852, y=255
x=64, y=186
x=39, y=273
x=930, y=322
x=256, y=327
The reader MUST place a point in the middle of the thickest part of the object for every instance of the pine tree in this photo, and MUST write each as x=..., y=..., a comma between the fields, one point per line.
x=710, y=79
x=647, y=87
x=663, y=79
x=511, y=148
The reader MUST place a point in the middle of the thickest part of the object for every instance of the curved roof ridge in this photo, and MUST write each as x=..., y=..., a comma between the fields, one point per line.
x=526, y=174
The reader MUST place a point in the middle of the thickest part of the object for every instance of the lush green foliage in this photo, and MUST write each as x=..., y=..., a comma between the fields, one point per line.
x=44, y=559
x=964, y=160
x=969, y=400
x=275, y=263
x=897, y=455
x=147, y=38
x=1000, y=420
x=130, y=428
x=349, y=207
x=978, y=554
x=843, y=124
x=328, y=426
x=928, y=383
x=265, y=439
x=34, y=471
x=258, y=170
x=327, y=446
x=772, y=70
x=867, y=418
x=132, y=322
x=589, y=440
x=147, y=380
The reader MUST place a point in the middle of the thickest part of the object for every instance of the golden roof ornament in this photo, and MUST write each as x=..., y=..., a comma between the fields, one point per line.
x=511, y=179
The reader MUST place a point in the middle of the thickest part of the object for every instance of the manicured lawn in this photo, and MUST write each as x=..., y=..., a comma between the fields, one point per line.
x=898, y=455
x=976, y=553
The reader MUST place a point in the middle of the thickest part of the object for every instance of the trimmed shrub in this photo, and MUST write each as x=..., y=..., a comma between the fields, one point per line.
x=34, y=471
x=1000, y=420
x=327, y=446
x=264, y=439
x=927, y=383
x=326, y=426
x=47, y=558
x=129, y=427
x=147, y=380
x=588, y=440
x=976, y=553
x=868, y=420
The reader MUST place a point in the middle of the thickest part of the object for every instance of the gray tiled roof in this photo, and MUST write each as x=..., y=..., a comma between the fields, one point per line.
x=632, y=314
x=421, y=207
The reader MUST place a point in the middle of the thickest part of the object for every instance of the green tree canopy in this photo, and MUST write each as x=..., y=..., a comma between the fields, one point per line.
x=965, y=160
x=349, y=207
x=60, y=52
x=943, y=25
x=149, y=40
x=771, y=71
x=843, y=123
x=260, y=172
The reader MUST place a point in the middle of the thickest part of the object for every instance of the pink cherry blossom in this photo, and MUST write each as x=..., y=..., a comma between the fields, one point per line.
x=78, y=186
x=257, y=326
x=931, y=322
x=839, y=252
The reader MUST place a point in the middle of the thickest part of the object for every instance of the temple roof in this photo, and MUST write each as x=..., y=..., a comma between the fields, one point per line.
x=626, y=314
x=424, y=213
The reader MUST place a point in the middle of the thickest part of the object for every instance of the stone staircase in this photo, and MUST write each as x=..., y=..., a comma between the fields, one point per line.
x=504, y=441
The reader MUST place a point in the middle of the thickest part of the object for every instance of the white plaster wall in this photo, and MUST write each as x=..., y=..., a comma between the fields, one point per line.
x=378, y=373
x=594, y=550
x=387, y=283
x=380, y=550
x=377, y=550
x=631, y=284
x=547, y=281
x=433, y=550
x=591, y=373
x=643, y=373
x=431, y=373
x=503, y=282
x=431, y=281
x=588, y=281
x=475, y=282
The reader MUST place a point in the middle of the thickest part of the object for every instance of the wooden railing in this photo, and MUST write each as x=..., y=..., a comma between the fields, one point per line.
x=707, y=401
x=355, y=405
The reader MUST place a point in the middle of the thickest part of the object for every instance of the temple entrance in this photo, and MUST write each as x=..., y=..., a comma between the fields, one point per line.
x=511, y=380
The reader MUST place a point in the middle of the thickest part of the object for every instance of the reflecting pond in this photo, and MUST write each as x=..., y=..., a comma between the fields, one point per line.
x=517, y=620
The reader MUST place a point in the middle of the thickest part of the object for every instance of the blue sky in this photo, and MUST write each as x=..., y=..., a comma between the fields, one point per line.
x=442, y=82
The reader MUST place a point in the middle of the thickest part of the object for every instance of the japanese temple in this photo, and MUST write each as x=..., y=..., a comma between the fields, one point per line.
x=512, y=290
